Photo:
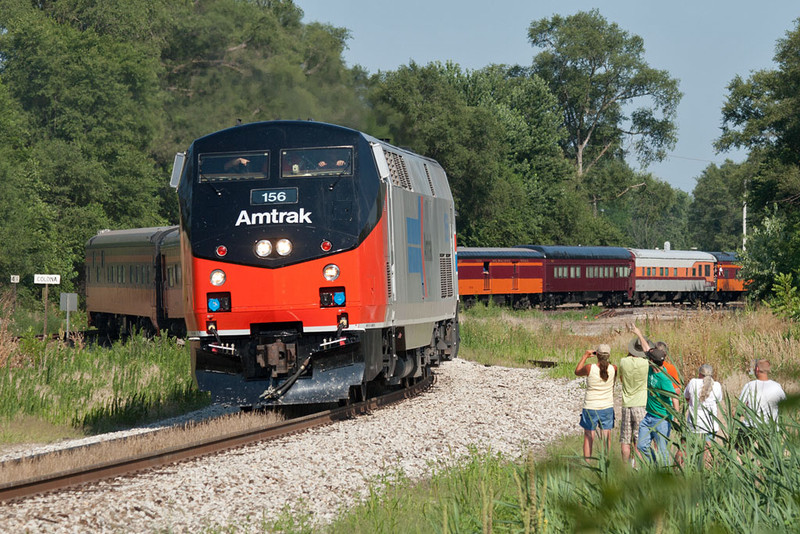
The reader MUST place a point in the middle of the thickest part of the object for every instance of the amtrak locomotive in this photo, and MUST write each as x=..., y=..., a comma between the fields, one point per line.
x=315, y=260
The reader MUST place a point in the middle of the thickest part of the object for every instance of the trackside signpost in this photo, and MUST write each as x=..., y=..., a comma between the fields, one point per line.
x=47, y=280
x=14, y=282
x=69, y=303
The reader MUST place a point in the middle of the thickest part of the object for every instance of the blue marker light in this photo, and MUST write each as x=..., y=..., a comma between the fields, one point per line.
x=213, y=304
x=338, y=298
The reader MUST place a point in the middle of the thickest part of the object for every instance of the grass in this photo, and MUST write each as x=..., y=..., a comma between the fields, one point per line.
x=729, y=341
x=56, y=390
x=558, y=492
x=485, y=492
x=495, y=335
x=26, y=315
x=85, y=389
x=95, y=389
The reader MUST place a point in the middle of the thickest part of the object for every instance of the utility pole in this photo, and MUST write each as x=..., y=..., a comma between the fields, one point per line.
x=744, y=217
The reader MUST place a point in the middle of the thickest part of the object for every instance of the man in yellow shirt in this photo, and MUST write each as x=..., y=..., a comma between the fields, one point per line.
x=633, y=370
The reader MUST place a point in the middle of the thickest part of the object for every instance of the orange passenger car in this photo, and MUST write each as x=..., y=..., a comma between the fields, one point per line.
x=729, y=286
x=509, y=276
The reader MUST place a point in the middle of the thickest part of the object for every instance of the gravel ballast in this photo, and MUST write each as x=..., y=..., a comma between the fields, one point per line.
x=324, y=470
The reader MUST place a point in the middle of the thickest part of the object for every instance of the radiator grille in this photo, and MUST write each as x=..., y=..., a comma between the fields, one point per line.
x=430, y=182
x=446, y=270
x=398, y=170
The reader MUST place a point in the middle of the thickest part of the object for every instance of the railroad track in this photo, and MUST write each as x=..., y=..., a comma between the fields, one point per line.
x=93, y=473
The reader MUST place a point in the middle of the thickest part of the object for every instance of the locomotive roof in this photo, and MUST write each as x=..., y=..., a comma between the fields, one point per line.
x=725, y=256
x=695, y=255
x=498, y=253
x=134, y=235
x=581, y=253
x=314, y=124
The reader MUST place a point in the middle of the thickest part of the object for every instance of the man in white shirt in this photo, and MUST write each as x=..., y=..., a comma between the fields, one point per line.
x=761, y=396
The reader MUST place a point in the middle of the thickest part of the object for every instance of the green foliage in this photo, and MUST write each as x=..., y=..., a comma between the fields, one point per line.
x=762, y=114
x=597, y=70
x=494, y=130
x=653, y=214
x=97, y=98
x=495, y=335
x=95, y=388
x=91, y=102
x=772, y=248
x=229, y=60
x=785, y=301
x=715, y=215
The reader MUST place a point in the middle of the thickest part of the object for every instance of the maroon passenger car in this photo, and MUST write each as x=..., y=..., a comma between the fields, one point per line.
x=586, y=275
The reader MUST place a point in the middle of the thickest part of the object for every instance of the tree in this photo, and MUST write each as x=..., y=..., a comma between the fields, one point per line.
x=108, y=92
x=762, y=114
x=229, y=60
x=597, y=71
x=715, y=215
x=496, y=133
x=91, y=102
x=644, y=215
x=428, y=112
x=771, y=251
x=531, y=127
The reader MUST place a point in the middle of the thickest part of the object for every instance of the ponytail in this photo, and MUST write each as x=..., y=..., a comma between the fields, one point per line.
x=602, y=363
x=708, y=383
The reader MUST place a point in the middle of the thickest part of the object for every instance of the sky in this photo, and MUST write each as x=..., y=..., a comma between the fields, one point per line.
x=703, y=44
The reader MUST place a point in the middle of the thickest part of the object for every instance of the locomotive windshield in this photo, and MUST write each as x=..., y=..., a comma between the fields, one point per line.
x=316, y=162
x=234, y=166
x=303, y=182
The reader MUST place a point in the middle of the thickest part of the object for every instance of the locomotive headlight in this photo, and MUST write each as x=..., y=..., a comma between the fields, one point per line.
x=330, y=272
x=217, y=277
x=283, y=247
x=263, y=248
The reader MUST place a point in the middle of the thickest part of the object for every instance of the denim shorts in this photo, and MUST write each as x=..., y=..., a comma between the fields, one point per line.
x=591, y=419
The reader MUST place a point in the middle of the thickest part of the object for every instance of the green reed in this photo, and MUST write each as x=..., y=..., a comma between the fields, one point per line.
x=94, y=388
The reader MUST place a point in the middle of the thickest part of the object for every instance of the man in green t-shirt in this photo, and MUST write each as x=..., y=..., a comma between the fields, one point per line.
x=656, y=425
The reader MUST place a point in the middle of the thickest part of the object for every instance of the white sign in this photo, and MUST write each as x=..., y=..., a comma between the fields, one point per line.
x=15, y=279
x=69, y=302
x=47, y=279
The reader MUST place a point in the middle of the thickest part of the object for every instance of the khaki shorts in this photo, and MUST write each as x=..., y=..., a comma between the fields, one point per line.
x=631, y=418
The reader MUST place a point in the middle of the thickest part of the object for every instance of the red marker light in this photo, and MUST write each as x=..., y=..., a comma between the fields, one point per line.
x=326, y=246
x=222, y=250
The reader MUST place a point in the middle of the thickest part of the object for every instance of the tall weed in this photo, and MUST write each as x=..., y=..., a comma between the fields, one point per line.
x=729, y=341
x=97, y=388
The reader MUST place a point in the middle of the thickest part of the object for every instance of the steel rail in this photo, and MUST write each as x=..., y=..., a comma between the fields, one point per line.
x=65, y=479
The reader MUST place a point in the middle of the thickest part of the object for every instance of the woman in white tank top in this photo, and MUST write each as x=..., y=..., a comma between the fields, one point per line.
x=598, y=405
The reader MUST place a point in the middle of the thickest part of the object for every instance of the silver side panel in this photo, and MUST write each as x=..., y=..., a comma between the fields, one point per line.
x=662, y=285
x=422, y=229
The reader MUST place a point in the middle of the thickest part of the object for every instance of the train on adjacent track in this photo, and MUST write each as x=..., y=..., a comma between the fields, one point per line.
x=548, y=276
x=311, y=261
